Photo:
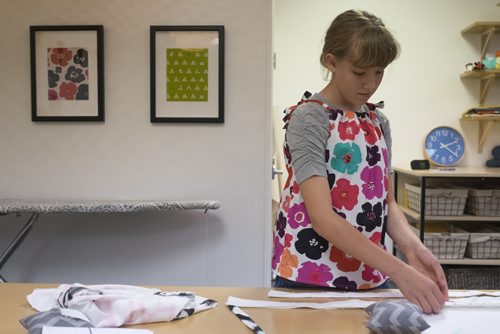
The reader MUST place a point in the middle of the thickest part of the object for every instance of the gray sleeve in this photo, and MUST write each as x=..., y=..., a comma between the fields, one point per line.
x=307, y=137
x=386, y=129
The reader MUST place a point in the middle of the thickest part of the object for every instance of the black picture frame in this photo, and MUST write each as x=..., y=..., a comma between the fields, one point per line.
x=67, y=73
x=198, y=55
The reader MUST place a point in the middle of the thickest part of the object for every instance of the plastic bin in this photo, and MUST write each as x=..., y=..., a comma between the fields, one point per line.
x=438, y=201
x=483, y=202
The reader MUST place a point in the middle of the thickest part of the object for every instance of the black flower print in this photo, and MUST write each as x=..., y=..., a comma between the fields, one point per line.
x=53, y=79
x=83, y=92
x=81, y=58
x=371, y=217
x=334, y=114
x=343, y=282
x=331, y=179
x=311, y=244
x=372, y=155
x=281, y=224
x=74, y=74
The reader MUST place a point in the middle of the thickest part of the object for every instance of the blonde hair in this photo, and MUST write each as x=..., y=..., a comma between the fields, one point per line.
x=362, y=37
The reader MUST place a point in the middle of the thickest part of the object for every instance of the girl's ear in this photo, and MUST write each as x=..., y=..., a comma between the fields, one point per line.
x=330, y=62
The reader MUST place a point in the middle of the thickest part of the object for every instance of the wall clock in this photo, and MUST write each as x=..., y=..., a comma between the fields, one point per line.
x=444, y=146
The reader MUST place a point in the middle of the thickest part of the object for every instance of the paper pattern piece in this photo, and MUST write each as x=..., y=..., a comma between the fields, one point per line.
x=68, y=74
x=352, y=303
x=463, y=321
x=73, y=330
x=187, y=75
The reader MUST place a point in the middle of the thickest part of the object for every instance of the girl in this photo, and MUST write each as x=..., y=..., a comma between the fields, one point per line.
x=337, y=203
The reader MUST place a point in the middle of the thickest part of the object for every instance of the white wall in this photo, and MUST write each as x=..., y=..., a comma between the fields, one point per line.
x=127, y=157
x=421, y=89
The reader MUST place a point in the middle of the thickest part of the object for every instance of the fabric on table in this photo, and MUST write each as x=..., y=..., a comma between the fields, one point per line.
x=34, y=323
x=117, y=305
x=396, y=317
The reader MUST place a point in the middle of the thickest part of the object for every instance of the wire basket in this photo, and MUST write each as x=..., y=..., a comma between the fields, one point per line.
x=484, y=244
x=438, y=201
x=483, y=202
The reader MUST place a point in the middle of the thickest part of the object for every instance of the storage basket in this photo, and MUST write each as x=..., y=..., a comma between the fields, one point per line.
x=483, y=202
x=484, y=241
x=449, y=246
x=438, y=201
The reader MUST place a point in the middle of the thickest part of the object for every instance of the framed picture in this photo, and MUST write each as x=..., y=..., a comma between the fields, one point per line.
x=67, y=69
x=187, y=74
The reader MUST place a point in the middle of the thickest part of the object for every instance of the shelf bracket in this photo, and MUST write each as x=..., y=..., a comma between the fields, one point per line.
x=484, y=128
x=485, y=41
x=484, y=88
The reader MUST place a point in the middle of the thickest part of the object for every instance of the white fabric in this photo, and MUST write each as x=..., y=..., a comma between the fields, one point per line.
x=117, y=305
x=391, y=293
x=80, y=330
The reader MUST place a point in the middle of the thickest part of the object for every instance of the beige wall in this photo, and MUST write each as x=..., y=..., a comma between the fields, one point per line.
x=421, y=89
x=127, y=157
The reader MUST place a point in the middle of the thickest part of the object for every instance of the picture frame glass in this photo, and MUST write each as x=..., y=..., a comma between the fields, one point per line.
x=66, y=74
x=187, y=75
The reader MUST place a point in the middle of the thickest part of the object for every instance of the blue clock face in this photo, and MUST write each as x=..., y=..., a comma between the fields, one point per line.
x=444, y=146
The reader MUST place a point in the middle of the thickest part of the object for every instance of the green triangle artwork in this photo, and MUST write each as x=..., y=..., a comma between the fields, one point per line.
x=187, y=75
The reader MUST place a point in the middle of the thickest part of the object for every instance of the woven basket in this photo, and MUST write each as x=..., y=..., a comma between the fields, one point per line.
x=483, y=202
x=438, y=201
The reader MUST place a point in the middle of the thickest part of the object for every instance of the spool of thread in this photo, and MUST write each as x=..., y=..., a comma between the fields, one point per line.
x=498, y=59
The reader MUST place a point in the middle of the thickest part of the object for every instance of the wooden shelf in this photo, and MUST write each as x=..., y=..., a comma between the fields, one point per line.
x=485, y=125
x=480, y=74
x=464, y=218
x=486, y=29
x=472, y=262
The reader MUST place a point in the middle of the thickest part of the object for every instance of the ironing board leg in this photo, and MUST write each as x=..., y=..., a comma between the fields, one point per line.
x=7, y=253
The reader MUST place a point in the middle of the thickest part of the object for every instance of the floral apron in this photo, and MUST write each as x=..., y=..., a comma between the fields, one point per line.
x=356, y=162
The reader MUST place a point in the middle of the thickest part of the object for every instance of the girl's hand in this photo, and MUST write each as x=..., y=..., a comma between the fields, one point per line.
x=419, y=289
x=426, y=263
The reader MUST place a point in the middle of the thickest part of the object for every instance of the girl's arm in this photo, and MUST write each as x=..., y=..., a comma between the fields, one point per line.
x=417, y=254
x=415, y=286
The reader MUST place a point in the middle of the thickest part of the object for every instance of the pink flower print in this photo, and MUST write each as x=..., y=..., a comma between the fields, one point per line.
x=371, y=274
x=312, y=273
x=348, y=130
x=344, y=195
x=376, y=238
x=373, y=180
x=52, y=95
x=297, y=216
x=278, y=251
x=288, y=240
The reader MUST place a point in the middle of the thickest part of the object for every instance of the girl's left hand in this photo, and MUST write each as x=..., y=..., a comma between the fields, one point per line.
x=426, y=263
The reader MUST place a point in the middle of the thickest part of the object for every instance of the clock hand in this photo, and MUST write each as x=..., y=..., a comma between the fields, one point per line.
x=446, y=147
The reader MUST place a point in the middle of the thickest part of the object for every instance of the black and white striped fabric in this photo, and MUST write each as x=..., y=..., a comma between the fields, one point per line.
x=245, y=319
x=34, y=323
x=396, y=317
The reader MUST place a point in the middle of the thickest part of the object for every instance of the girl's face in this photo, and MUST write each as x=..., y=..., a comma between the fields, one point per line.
x=353, y=86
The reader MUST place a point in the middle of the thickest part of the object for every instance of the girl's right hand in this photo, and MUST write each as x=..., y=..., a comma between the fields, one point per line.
x=419, y=289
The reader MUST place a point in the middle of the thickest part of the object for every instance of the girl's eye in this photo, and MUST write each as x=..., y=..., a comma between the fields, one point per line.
x=358, y=73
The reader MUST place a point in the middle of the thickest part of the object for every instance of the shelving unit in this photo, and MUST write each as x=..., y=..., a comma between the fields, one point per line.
x=463, y=176
x=486, y=77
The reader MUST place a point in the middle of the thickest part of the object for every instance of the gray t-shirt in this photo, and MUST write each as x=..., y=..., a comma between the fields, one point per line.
x=307, y=137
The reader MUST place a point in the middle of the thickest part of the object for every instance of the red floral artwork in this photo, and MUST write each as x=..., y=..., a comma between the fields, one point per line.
x=67, y=91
